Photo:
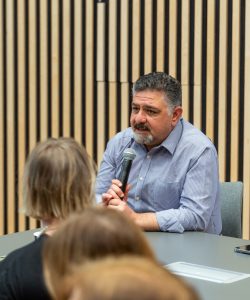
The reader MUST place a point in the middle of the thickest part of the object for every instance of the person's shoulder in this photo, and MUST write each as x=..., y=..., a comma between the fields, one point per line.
x=21, y=255
x=19, y=269
x=194, y=141
x=124, y=134
x=122, y=138
x=195, y=136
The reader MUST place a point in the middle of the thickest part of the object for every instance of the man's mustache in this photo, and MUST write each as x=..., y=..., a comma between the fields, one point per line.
x=141, y=126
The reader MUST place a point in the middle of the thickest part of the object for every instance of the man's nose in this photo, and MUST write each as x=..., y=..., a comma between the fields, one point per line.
x=141, y=117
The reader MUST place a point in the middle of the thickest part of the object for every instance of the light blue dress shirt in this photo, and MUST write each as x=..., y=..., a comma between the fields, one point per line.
x=178, y=180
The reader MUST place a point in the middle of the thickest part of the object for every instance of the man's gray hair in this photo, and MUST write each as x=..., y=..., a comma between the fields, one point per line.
x=162, y=82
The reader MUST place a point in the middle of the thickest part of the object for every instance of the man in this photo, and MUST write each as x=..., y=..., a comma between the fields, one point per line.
x=173, y=183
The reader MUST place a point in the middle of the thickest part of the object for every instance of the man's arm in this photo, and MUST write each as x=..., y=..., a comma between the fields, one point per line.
x=146, y=221
x=112, y=199
x=196, y=205
x=199, y=199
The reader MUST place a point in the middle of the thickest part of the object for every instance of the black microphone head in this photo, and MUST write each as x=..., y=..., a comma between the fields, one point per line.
x=129, y=154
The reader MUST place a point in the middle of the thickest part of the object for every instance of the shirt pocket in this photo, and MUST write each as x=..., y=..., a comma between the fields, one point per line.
x=166, y=195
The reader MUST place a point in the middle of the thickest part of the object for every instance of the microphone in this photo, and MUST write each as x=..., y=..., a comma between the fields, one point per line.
x=128, y=156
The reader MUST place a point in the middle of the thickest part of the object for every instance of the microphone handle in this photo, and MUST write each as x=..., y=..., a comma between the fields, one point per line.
x=123, y=176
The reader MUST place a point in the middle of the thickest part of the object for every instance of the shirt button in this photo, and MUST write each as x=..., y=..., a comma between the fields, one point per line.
x=137, y=198
x=141, y=178
x=148, y=156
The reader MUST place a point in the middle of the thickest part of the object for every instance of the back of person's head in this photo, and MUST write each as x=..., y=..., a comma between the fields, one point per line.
x=58, y=179
x=124, y=278
x=95, y=233
x=162, y=82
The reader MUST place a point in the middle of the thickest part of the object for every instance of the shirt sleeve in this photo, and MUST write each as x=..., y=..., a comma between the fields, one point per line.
x=107, y=171
x=198, y=197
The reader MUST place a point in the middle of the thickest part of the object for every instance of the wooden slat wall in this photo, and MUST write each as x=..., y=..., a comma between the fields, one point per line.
x=22, y=92
x=10, y=113
x=2, y=96
x=67, y=67
x=222, y=129
x=246, y=124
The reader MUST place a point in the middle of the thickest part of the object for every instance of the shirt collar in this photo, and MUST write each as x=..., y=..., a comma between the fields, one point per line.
x=171, y=142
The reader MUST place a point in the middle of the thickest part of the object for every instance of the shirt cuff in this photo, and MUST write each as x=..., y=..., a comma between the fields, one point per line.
x=168, y=221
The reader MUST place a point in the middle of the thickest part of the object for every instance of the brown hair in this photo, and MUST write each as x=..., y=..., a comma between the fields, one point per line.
x=58, y=179
x=124, y=278
x=95, y=233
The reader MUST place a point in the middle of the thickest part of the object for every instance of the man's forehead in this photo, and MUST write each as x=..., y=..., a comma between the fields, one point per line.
x=148, y=100
x=139, y=96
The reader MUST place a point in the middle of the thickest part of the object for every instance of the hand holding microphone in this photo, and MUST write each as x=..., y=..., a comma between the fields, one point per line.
x=115, y=189
x=128, y=157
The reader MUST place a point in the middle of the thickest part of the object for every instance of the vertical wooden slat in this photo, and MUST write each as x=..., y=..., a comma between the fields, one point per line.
x=124, y=64
x=112, y=108
x=78, y=24
x=160, y=39
x=222, y=90
x=44, y=69
x=112, y=41
x=235, y=90
x=136, y=40
x=185, y=57
x=66, y=67
x=10, y=114
x=148, y=38
x=246, y=166
x=100, y=75
x=100, y=65
x=1, y=123
x=124, y=41
x=89, y=71
x=101, y=121
x=124, y=105
x=197, y=63
x=32, y=81
x=21, y=104
x=210, y=69
x=112, y=66
x=55, y=67
x=32, y=75
x=172, y=37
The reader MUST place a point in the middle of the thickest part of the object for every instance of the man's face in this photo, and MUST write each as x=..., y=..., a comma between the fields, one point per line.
x=151, y=119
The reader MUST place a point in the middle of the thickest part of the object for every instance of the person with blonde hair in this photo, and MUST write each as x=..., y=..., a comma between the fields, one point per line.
x=128, y=277
x=58, y=181
x=91, y=235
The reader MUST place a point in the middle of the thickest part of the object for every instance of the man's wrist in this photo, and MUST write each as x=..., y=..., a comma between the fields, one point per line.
x=147, y=221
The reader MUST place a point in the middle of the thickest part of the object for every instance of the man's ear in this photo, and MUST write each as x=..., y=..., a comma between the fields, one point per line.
x=177, y=113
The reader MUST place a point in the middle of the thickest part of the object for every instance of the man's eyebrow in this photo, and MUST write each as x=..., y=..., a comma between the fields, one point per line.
x=146, y=106
x=151, y=107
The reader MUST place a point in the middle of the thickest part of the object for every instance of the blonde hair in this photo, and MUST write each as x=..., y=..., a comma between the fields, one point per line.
x=58, y=179
x=95, y=233
x=124, y=278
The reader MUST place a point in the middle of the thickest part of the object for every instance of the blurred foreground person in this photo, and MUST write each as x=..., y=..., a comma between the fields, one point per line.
x=89, y=236
x=132, y=278
x=58, y=180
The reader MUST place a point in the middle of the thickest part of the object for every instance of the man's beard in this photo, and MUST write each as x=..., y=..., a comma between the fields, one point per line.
x=142, y=138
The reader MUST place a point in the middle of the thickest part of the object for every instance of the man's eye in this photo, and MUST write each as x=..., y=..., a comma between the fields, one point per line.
x=135, y=109
x=151, y=112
